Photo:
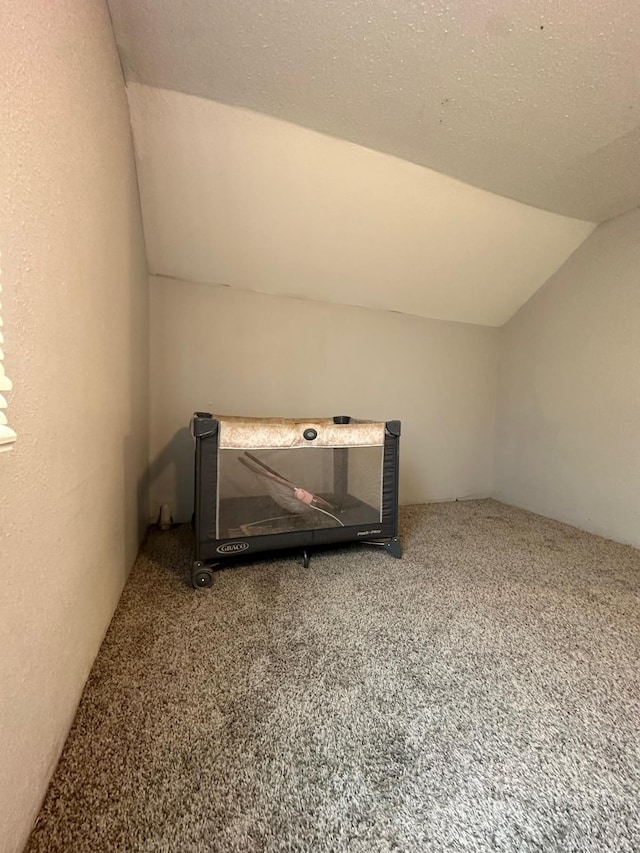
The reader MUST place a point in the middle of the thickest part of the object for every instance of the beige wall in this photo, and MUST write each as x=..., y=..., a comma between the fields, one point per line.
x=568, y=438
x=75, y=308
x=238, y=352
x=234, y=197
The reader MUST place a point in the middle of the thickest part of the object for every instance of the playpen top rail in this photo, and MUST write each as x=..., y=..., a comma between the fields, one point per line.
x=265, y=433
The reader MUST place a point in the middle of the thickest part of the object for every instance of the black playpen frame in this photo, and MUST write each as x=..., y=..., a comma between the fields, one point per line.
x=210, y=553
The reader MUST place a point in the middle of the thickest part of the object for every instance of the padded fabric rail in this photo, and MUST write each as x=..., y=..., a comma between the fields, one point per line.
x=236, y=433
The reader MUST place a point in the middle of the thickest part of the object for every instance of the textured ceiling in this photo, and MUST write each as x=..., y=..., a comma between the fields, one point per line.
x=237, y=198
x=537, y=100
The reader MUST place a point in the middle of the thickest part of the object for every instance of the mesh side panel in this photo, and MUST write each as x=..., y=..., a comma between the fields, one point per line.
x=365, y=476
x=278, y=491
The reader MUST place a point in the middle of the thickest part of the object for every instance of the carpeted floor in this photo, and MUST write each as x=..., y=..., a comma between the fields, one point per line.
x=481, y=694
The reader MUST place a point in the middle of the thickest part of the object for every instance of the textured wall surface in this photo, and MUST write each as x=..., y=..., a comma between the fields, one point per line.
x=75, y=308
x=569, y=390
x=537, y=100
x=218, y=349
x=234, y=197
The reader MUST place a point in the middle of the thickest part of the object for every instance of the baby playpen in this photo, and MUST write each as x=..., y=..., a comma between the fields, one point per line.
x=264, y=484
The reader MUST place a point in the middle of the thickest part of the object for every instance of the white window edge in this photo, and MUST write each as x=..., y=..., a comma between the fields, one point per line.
x=7, y=438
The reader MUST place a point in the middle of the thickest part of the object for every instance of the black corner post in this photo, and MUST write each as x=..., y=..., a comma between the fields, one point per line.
x=203, y=426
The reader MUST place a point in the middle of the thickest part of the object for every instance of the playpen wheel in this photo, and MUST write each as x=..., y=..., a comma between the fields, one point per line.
x=305, y=558
x=202, y=579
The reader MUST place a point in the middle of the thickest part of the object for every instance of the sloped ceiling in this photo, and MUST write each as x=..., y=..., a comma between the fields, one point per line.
x=442, y=160
x=536, y=100
x=237, y=198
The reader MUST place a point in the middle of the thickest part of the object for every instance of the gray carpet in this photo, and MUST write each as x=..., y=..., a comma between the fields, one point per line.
x=481, y=694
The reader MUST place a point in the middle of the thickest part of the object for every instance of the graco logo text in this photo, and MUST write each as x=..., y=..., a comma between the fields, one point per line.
x=232, y=547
